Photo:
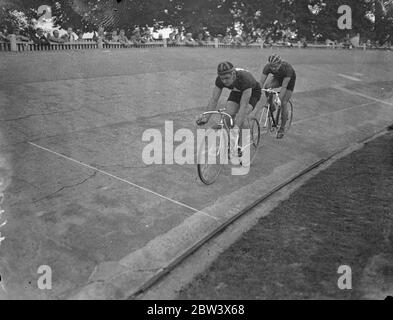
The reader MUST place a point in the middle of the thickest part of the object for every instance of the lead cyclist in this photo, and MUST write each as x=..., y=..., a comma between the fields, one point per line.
x=245, y=94
x=284, y=77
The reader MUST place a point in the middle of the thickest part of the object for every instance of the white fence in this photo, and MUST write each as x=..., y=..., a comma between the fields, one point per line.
x=18, y=46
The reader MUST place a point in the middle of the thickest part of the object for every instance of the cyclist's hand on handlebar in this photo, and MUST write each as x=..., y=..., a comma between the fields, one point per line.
x=202, y=120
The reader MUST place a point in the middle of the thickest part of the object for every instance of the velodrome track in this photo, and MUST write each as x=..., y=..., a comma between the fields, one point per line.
x=81, y=200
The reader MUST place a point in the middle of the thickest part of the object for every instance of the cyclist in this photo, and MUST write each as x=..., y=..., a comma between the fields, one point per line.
x=284, y=77
x=245, y=94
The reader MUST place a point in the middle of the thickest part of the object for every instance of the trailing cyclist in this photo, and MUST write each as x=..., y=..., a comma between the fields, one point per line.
x=284, y=77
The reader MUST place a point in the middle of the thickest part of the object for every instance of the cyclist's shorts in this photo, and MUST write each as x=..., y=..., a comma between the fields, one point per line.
x=236, y=96
x=291, y=84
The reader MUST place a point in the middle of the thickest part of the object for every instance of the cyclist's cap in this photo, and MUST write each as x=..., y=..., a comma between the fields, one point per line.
x=225, y=68
x=274, y=58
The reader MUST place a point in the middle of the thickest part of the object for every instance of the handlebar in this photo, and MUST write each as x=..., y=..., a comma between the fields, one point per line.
x=221, y=112
x=271, y=91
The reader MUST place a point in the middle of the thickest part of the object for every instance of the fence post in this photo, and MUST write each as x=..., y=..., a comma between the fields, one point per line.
x=99, y=43
x=14, y=46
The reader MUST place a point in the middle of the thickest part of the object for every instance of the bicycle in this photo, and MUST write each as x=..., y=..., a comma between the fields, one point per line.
x=212, y=156
x=270, y=122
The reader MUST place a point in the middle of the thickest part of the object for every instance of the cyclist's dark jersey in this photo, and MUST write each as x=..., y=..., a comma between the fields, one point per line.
x=244, y=80
x=285, y=71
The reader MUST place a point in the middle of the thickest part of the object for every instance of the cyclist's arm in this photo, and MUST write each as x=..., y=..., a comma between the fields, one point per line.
x=243, y=107
x=283, y=90
x=212, y=105
x=263, y=80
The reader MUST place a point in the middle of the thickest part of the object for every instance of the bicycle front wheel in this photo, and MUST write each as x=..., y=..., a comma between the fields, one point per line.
x=265, y=122
x=212, y=155
x=251, y=149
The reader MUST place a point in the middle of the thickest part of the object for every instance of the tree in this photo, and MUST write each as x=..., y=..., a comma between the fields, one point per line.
x=383, y=21
x=197, y=15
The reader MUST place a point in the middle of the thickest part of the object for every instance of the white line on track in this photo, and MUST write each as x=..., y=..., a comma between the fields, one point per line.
x=349, y=77
x=355, y=93
x=123, y=180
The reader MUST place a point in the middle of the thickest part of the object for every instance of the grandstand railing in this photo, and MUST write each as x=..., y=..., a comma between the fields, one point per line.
x=19, y=46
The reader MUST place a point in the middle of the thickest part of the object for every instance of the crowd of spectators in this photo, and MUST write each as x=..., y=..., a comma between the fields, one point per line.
x=139, y=36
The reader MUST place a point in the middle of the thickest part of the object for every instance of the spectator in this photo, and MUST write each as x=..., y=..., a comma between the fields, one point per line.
x=200, y=40
x=248, y=39
x=20, y=37
x=173, y=40
x=227, y=39
x=237, y=40
x=286, y=42
x=123, y=39
x=39, y=37
x=100, y=34
x=303, y=42
x=114, y=37
x=136, y=37
x=178, y=38
x=4, y=36
x=347, y=44
x=80, y=34
x=55, y=37
x=329, y=43
x=146, y=35
x=189, y=41
x=220, y=38
x=69, y=36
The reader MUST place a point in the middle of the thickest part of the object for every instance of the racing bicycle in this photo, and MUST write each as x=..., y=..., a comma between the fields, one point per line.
x=216, y=148
x=270, y=122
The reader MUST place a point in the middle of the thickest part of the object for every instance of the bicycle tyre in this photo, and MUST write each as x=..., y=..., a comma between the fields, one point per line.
x=265, y=122
x=255, y=139
x=203, y=163
x=290, y=117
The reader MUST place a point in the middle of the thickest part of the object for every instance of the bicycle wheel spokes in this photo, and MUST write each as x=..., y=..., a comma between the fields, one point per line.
x=265, y=121
x=212, y=155
x=252, y=141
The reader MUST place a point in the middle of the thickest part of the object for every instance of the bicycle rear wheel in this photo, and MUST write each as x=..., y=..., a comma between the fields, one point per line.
x=212, y=155
x=290, y=117
x=251, y=149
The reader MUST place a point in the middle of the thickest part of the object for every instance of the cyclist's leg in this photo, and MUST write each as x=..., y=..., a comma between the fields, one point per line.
x=284, y=108
x=255, y=97
x=284, y=103
x=233, y=105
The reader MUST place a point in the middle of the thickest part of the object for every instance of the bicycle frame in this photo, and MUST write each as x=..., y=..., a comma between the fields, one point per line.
x=222, y=124
x=269, y=112
x=223, y=114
